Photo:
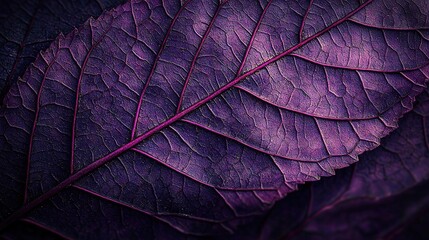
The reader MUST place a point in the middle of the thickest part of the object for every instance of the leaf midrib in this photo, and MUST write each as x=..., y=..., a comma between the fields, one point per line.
x=100, y=162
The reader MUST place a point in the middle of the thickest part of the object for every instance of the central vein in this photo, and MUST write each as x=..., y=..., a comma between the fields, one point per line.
x=96, y=164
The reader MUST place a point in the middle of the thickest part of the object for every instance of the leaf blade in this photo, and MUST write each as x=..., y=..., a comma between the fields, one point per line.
x=97, y=124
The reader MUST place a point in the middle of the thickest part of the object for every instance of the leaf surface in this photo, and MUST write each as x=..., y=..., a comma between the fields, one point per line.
x=27, y=27
x=383, y=196
x=171, y=109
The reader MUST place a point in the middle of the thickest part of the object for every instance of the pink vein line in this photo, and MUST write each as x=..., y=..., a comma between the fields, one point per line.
x=152, y=214
x=254, y=147
x=113, y=201
x=305, y=58
x=301, y=29
x=84, y=171
x=152, y=71
x=252, y=94
x=188, y=76
x=33, y=130
x=45, y=228
x=196, y=180
x=76, y=104
x=253, y=38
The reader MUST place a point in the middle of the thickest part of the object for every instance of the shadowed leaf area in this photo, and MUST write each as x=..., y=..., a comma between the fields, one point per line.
x=29, y=26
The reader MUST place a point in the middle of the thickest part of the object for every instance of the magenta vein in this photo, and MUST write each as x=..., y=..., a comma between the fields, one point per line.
x=252, y=39
x=111, y=200
x=256, y=148
x=301, y=29
x=157, y=216
x=305, y=58
x=152, y=71
x=76, y=104
x=196, y=55
x=33, y=129
x=388, y=28
x=153, y=214
x=46, y=228
x=98, y=163
x=144, y=153
x=313, y=115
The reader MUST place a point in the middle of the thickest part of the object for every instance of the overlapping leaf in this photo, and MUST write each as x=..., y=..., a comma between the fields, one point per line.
x=199, y=113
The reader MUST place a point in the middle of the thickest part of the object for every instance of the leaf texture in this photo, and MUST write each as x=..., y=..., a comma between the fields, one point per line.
x=27, y=27
x=356, y=203
x=383, y=196
x=168, y=110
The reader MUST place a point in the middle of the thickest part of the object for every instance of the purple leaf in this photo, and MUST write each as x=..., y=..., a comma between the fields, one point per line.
x=28, y=26
x=380, y=197
x=198, y=114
